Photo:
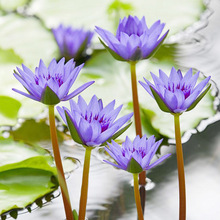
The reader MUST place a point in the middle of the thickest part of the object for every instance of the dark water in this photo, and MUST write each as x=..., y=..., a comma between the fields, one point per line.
x=110, y=192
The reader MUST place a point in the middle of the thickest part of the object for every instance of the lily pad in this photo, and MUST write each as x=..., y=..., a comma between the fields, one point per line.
x=10, y=5
x=11, y=101
x=21, y=187
x=26, y=174
x=28, y=38
x=14, y=152
x=9, y=108
x=177, y=16
x=23, y=40
x=32, y=131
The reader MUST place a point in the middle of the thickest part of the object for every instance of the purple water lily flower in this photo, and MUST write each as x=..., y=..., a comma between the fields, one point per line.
x=134, y=40
x=176, y=93
x=50, y=85
x=135, y=156
x=92, y=124
x=72, y=42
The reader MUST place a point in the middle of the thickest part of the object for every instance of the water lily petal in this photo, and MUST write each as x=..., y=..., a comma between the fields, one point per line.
x=177, y=92
x=77, y=91
x=170, y=99
x=134, y=40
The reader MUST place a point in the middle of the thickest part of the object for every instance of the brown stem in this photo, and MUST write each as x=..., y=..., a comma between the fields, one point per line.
x=137, y=120
x=85, y=183
x=181, y=173
x=137, y=197
x=137, y=117
x=57, y=158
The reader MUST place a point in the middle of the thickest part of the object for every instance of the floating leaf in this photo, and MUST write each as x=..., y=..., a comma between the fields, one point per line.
x=14, y=152
x=21, y=187
x=23, y=40
x=8, y=62
x=28, y=38
x=176, y=16
x=9, y=108
x=10, y=5
x=32, y=131
x=8, y=56
x=25, y=175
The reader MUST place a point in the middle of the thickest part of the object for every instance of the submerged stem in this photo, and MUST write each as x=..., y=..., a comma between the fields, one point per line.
x=137, y=120
x=137, y=197
x=60, y=172
x=181, y=173
x=85, y=183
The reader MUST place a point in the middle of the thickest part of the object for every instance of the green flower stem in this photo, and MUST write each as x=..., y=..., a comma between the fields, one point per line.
x=57, y=158
x=85, y=181
x=180, y=165
x=137, y=197
x=137, y=120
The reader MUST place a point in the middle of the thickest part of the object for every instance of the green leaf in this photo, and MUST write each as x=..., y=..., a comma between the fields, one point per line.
x=176, y=17
x=14, y=214
x=15, y=49
x=9, y=108
x=75, y=215
x=38, y=162
x=194, y=104
x=30, y=40
x=14, y=152
x=10, y=5
x=25, y=175
x=116, y=6
x=134, y=166
x=9, y=56
x=159, y=101
x=72, y=129
x=32, y=131
x=49, y=97
x=3, y=217
x=21, y=187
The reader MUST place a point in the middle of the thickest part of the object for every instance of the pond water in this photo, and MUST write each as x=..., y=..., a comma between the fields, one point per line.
x=110, y=190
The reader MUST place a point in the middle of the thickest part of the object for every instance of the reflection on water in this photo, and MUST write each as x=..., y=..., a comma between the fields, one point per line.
x=110, y=192
x=204, y=54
